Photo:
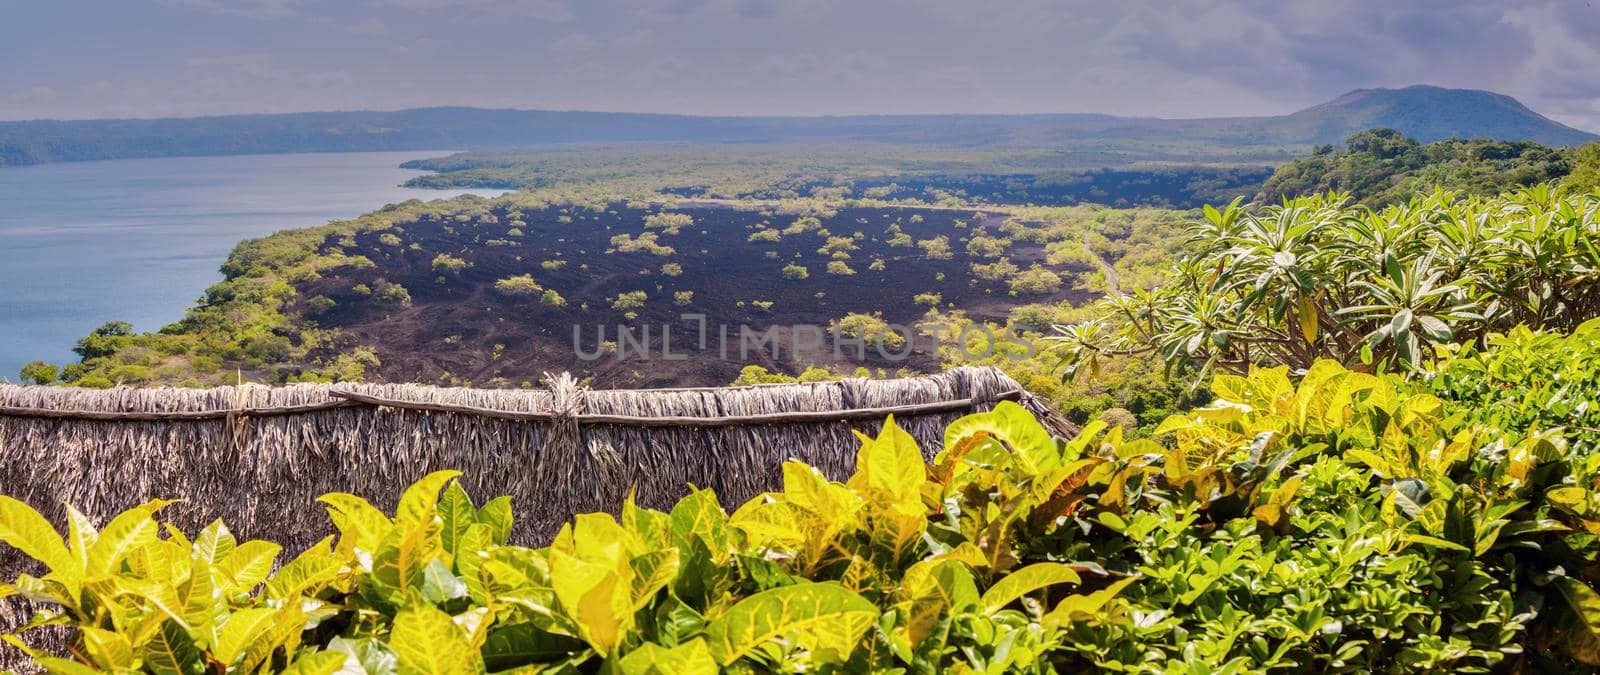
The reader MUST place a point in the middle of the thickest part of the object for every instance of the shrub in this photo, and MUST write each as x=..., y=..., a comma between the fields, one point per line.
x=803, y=225
x=937, y=248
x=996, y=271
x=1037, y=280
x=927, y=299
x=1314, y=279
x=670, y=222
x=672, y=269
x=793, y=271
x=765, y=235
x=870, y=329
x=681, y=298
x=445, y=262
x=550, y=298
x=630, y=300
x=645, y=243
x=319, y=305
x=839, y=267
x=389, y=239
x=986, y=247
x=552, y=265
x=520, y=285
x=390, y=294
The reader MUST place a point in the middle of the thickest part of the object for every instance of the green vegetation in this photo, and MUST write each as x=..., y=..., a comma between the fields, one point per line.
x=644, y=243
x=765, y=235
x=839, y=267
x=1314, y=279
x=793, y=271
x=518, y=285
x=629, y=301
x=1348, y=523
x=1381, y=167
x=550, y=298
x=681, y=298
x=869, y=329
x=937, y=248
x=1037, y=280
x=671, y=269
x=445, y=262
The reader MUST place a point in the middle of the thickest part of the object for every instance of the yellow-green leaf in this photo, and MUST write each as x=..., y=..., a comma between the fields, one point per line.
x=419, y=501
x=108, y=649
x=825, y=618
x=427, y=642
x=28, y=531
x=249, y=563
x=241, y=630
x=1078, y=607
x=1025, y=581
x=318, y=663
x=129, y=530
x=690, y=658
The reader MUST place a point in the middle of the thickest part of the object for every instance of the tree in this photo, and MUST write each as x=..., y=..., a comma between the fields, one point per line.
x=1585, y=176
x=39, y=372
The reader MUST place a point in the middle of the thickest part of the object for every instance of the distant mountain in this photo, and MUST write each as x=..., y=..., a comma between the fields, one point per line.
x=1426, y=113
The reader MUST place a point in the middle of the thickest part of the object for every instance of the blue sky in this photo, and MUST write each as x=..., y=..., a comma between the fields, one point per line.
x=144, y=58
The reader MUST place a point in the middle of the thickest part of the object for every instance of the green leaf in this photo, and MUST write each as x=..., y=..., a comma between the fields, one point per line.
x=690, y=658
x=427, y=642
x=28, y=531
x=366, y=656
x=317, y=663
x=1025, y=581
x=497, y=515
x=1583, y=631
x=172, y=652
x=249, y=564
x=1031, y=445
x=130, y=530
x=306, y=573
x=890, y=465
x=240, y=631
x=214, y=543
x=1077, y=607
x=419, y=502
x=825, y=618
x=108, y=649
x=456, y=514
x=360, y=523
x=521, y=644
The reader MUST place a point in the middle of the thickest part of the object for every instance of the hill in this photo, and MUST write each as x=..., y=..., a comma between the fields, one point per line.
x=1381, y=167
x=1428, y=113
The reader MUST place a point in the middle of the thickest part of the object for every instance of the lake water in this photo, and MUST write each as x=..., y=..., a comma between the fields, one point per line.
x=139, y=240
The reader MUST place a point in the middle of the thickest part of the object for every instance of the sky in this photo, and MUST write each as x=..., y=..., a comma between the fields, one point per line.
x=1201, y=58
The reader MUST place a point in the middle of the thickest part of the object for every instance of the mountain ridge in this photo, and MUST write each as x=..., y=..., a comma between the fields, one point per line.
x=1424, y=112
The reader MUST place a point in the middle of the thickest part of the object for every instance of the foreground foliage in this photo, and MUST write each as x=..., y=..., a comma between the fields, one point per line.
x=1354, y=522
x=1314, y=279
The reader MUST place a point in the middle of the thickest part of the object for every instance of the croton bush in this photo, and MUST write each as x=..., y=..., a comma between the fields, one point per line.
x=1342, y=522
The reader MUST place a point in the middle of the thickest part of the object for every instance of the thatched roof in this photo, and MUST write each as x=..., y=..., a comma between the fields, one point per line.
x=258, y=456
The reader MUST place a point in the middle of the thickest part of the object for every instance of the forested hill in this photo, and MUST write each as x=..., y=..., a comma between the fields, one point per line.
x=1380, y=167
x=1428, y=113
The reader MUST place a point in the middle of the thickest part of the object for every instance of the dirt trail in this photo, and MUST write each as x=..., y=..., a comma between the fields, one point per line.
x=1112, y=287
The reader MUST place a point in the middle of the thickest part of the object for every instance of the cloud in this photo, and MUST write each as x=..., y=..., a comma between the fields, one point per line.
x=251, y=9
x=546, y=10
x=369, y=27
x=1134, y=57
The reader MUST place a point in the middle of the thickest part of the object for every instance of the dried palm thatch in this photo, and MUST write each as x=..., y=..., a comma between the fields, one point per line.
x=258, y=456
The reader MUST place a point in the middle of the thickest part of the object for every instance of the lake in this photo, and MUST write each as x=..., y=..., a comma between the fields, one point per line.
x=139, y=240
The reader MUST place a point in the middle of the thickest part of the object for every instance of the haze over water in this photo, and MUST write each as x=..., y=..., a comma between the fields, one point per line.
x=139, y=240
